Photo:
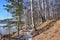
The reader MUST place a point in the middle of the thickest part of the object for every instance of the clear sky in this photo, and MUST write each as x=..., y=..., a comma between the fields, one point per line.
x=3, y=13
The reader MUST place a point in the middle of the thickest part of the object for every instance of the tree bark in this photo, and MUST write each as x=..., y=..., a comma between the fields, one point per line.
x=19, y=20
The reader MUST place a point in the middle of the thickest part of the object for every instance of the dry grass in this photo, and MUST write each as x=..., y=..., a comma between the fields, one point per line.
x=51, y=34
x=41, y=25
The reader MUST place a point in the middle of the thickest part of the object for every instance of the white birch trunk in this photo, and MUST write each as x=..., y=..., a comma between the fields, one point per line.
x=32, y=14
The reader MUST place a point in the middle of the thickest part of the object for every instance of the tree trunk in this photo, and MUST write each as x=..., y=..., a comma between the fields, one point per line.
x=19, y=20
x=48, y=8
x=33, y=24
x=18, y=29
x=9, y=34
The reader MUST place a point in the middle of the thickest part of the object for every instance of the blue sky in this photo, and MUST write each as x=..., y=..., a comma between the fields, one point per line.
x=3, y=13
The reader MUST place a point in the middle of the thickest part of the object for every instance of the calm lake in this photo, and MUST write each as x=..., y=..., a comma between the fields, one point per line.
x=5, y=30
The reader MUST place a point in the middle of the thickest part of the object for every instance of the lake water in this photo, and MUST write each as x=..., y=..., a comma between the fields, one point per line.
x=3, y=22
x=5, y=30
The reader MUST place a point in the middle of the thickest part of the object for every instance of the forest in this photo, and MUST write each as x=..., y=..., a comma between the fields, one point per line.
x=34, y=20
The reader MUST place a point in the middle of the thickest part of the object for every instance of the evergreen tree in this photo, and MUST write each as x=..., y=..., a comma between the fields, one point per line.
x=15, y=7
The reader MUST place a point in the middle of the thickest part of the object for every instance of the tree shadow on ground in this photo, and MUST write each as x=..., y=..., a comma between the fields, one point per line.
x=45, y=28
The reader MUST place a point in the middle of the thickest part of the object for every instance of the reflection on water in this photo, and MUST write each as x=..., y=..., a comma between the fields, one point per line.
x=6, y=30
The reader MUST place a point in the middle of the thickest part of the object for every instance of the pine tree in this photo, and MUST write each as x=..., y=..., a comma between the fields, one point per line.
x=15, y=7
